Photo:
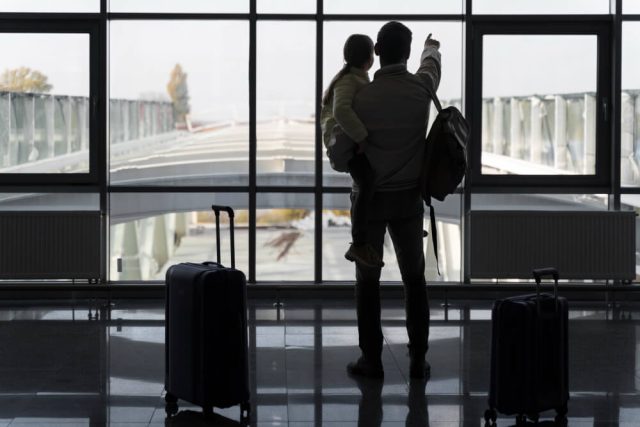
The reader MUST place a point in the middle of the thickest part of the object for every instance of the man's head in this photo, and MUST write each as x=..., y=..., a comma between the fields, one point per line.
x=394, y=43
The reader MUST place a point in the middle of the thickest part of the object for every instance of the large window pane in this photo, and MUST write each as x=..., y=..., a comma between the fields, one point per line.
x=179, y=102
x=182, y=6
x=630, y=6
x=336, y=234
x=539, y=104
x=86, y=6
x=448, y=33
x=286, y=6
x=630, y=127
x=49, y=202
x=149, y=232
x=44, y=103
x=285, y=237
x=549, y=7
x=286, y=103
x=418, y=7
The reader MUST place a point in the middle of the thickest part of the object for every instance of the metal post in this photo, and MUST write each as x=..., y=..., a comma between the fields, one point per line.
x=487, y=146
x=589, y=153
x=515, y=129
x=498, y=126
x=627, y=131
x=66, y=117
x=560, y=134
x=5, y=128
x=535, y=153
x=50, y=128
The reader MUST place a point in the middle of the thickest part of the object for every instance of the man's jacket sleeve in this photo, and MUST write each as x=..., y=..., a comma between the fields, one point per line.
x=430, y=67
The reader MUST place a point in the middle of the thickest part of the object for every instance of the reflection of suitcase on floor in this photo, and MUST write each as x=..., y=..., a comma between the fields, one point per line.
x=529, y=355
x=206, y=347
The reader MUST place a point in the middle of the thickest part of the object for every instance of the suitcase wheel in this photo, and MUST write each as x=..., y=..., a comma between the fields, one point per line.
x=171, y=405
x=490, y=416
x=245, y=410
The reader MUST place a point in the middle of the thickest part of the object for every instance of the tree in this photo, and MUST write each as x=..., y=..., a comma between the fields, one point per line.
x=179, y=93
x=24, y=79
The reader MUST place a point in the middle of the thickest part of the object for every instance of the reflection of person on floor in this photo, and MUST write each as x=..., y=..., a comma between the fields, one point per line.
x=395, y=110
x=370, y=412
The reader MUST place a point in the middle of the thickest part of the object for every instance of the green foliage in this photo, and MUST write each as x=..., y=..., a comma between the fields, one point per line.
x=24, y=79
x=179, y=93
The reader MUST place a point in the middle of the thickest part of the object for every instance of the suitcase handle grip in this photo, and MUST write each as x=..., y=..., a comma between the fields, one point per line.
x=217, y=209
x=538, y=274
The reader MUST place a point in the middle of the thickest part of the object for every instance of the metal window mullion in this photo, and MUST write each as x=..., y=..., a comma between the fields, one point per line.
x=99, y=116
x=616, y=116
x=318, y=146
x=252, y=139
x=468, y=105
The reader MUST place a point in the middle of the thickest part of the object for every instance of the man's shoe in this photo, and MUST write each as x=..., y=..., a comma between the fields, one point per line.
x=362, y=368
x=364, y=254
x=419, y=369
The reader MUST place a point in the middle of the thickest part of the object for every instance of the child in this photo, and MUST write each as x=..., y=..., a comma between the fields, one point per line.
x=337, y=111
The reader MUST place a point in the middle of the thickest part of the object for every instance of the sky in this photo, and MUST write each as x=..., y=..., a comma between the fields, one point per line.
x=214, y=54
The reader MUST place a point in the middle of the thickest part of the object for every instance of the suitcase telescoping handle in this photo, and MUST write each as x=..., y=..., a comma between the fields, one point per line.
x=217, y=209
x=539, y=273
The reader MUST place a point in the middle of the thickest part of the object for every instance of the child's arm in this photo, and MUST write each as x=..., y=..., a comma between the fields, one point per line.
x=430, y=65
x=343, y=93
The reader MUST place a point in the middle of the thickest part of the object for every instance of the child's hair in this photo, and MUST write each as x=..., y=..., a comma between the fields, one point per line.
x=357, y=51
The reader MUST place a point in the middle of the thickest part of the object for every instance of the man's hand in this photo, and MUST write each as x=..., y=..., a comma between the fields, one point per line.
x=432, y=42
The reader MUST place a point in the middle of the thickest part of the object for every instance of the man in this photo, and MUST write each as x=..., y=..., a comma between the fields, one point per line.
x=395, y=109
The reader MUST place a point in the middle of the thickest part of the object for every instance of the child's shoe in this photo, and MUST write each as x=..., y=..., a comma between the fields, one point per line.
x=365, y=255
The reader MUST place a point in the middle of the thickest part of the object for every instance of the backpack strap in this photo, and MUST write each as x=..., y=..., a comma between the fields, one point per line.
x=434, y=235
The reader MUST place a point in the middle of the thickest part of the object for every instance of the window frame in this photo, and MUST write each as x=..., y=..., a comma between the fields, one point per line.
x=527, y=25
x=80, y=24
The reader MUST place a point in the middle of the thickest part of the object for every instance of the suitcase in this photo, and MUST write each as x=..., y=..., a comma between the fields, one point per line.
x=206, y=348
x=529, y=355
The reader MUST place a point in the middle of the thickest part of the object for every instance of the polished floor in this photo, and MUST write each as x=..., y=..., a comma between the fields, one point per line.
x=91, y=363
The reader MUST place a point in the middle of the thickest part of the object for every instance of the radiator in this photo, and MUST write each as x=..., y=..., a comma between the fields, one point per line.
x=582, y=245
x=49, y=245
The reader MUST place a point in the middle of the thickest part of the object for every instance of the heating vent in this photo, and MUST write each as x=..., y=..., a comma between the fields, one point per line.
x=582, y=245
x=49, y=245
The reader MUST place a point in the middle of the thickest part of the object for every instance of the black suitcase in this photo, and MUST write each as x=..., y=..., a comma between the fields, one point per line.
x=529, y=355
x=206, y=348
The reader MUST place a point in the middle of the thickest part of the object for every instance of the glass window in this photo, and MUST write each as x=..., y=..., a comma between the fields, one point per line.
x=286, y=103
x=630, y=6
x=284, y=6
x=44, y=103
x=285, y=230
x=630, y=126
x=179, y=102
x=539, y=104
x=182, y=6
x=58, y=6
x=336, y=236
x=534, y=202
x=378, y=7
x=149, y=232
x=448, y=33
x=49, y=202
x=547, y=7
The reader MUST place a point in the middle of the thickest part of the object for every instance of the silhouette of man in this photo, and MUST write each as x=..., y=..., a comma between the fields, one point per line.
x=395, y=108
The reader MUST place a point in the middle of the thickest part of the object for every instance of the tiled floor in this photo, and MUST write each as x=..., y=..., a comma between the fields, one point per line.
x=62, y=366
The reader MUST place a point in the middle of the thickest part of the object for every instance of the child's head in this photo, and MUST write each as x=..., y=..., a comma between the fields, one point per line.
x=358, y=51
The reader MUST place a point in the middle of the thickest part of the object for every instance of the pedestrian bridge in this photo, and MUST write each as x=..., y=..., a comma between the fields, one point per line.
x=552, y=134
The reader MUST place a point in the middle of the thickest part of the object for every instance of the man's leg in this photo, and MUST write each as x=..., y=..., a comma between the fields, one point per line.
x=368, y=303
x=406, y=234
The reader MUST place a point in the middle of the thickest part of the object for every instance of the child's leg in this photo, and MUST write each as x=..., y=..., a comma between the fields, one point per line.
x=362, y=174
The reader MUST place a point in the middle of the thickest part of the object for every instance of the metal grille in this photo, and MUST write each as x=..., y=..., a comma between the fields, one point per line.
x=49, y=245
x=582, y=245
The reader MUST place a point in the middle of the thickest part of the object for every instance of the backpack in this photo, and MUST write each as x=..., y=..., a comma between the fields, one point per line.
x=445, y=160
